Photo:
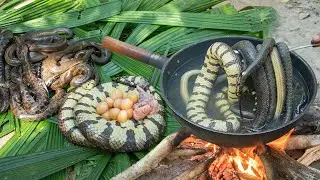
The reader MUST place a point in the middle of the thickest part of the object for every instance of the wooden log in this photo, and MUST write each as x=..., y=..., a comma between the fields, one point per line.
x=197, y=170
x=169, y=170
x=311, y=155
x=184, y=153
x=153, y=158
x=266, y=159
x=286, y=167
x=302, y=141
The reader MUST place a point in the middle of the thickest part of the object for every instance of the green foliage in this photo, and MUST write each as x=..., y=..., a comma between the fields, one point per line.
x=252, y=22
x=38, y=150
x=69, y=19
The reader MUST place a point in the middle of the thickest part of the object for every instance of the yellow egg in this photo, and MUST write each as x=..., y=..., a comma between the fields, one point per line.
x=117, y=103
x=126, y=103
x=116, y=94
x=133, y=96
x=122, y=116
x=102, y=107
x=110, y=101
x=114, y=112
x=106, y=115
x=130, y=113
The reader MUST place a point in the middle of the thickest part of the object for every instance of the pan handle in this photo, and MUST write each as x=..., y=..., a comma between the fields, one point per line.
x=134, y=52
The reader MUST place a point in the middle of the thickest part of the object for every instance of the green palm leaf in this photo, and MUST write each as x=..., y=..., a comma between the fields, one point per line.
x=69, y=19
x=39, y=165
x=248, y=22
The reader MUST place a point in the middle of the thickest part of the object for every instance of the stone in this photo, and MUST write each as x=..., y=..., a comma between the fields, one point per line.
x=303, y=15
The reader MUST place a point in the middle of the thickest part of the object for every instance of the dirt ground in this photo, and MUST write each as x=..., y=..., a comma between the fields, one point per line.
x=299, y=21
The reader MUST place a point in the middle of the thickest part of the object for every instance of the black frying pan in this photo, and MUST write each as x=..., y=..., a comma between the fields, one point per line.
x=195, y=54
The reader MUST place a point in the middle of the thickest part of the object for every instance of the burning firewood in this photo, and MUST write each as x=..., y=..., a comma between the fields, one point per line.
x=181, y=156
x=200, y=168
x=222, y=168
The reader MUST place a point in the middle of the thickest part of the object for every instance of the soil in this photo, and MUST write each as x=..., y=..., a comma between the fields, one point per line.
x=299, y=21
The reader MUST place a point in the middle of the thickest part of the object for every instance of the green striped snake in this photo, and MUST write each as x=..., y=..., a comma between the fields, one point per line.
x=80, y=123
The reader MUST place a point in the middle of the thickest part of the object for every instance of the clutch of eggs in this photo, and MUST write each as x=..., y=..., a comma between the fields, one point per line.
x=119, y=106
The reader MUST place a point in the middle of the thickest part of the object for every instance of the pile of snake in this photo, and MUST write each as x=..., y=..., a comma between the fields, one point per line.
x=80, y=123
x=270, y=67
x=38, y=64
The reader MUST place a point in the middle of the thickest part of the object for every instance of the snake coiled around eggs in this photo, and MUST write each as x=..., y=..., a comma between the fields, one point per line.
x=80, y=123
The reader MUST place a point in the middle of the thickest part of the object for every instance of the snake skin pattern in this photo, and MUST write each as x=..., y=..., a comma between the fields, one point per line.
x=80, y=123
x=218, y=55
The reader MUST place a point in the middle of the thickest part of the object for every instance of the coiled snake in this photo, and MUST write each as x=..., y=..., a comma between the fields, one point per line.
x=221, y=55
x=218, y=55
x=80, y=123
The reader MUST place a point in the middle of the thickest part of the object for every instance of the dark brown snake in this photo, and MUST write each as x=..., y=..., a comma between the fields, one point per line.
x=5, y=38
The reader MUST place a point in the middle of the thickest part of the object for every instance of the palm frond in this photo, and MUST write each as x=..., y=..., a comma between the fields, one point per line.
x=237, y=22
x=69, y=19
x=33, y=10
x=39, y=165
x=116, y=165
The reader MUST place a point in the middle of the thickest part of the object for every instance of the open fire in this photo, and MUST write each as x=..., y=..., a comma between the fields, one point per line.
x=233, y=163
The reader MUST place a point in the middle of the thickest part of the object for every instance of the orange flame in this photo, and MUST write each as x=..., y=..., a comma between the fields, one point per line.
x=281, y=142
x=246, y=162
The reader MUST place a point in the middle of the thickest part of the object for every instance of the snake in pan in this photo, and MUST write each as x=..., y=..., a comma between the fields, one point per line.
x=80, y=123
x=221, y=55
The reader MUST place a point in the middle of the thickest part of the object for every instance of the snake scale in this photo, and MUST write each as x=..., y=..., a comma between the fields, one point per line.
x=218, y=55
x=80, y=123
x=275, y=91
x=249, y=54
